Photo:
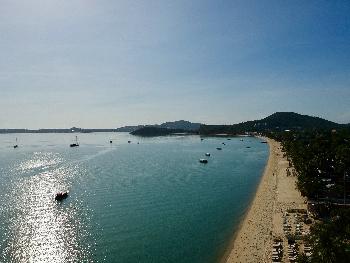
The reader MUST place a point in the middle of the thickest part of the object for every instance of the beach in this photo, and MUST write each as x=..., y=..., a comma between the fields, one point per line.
x=263, y=222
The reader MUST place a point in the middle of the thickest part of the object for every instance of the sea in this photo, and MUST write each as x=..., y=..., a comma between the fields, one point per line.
x=149, y=200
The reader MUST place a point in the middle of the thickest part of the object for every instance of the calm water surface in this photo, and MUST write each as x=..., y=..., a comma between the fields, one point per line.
x=146, y=202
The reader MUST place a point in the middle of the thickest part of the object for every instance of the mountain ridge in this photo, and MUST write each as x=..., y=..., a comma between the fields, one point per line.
x=176, y=125
x=278, y=121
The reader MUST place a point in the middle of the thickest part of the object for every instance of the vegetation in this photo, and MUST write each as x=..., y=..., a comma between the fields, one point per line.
x=155, y=131
x=277, y=122
x=181, y=124
x=330, y=239
x=321, y=159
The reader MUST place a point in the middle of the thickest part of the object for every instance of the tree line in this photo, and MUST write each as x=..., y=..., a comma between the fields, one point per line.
x=321, y=159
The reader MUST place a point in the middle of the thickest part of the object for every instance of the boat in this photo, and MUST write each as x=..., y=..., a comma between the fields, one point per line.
x=129, y=141
x=207, y=154
x=203, y=160
x=223, y=143
x=263, y=142
x=229, y=139
x=247, y=147
x=61, y=195
x=16, y=145
x=202, y=139
x=219, y=148
x=110, y=141
x=76, y=144
x=241, y=140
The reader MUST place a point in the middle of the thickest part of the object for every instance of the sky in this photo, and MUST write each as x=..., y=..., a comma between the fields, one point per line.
x=106, y=64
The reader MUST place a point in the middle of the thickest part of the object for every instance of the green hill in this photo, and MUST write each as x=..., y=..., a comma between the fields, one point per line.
x=278, y=121
x=155, y=131
x=181, y=124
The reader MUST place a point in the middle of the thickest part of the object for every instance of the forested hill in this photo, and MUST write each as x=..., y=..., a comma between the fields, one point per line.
x=278, y=121
x=181, y=125
x=184, y=125
x=156, y=131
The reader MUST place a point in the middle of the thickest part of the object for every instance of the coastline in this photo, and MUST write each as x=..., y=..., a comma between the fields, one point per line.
x=262, y=222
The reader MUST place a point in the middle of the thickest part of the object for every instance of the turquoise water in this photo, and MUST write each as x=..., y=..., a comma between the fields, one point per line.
x=146, y=202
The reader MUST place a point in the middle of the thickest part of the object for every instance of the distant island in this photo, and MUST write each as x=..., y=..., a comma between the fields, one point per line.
x=156, y=131
x=177, y=125
x=167, y=128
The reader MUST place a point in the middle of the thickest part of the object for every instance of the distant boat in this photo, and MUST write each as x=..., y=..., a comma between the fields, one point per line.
x=129, y=141
x=229, y=139
x=202, y=139
x=263, y=142
x=110, y=141
x=207, y=154
x=76, y=144
x=241, y=140
x=203, y=160
x=219, y=148
x=16, y=145
x=247, y=147
x=223, y=143
x=61, y=195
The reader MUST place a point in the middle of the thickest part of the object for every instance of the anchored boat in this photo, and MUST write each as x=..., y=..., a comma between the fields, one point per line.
x=61, y=195
x=76, y=144
x=16, y=145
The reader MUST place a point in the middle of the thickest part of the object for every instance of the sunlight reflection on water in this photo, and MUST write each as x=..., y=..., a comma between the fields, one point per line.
x=42, y=229
x=40, y=160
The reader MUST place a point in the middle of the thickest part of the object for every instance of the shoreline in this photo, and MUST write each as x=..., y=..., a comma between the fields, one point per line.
x=275, y=194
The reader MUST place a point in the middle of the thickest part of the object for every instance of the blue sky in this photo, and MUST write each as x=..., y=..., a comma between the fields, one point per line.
x=111, y=63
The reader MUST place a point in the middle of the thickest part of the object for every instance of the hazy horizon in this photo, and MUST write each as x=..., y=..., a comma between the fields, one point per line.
x=106, y=64
x=137, y=124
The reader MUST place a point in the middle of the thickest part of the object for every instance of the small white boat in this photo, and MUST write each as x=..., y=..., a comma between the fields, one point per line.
x=207, y=154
